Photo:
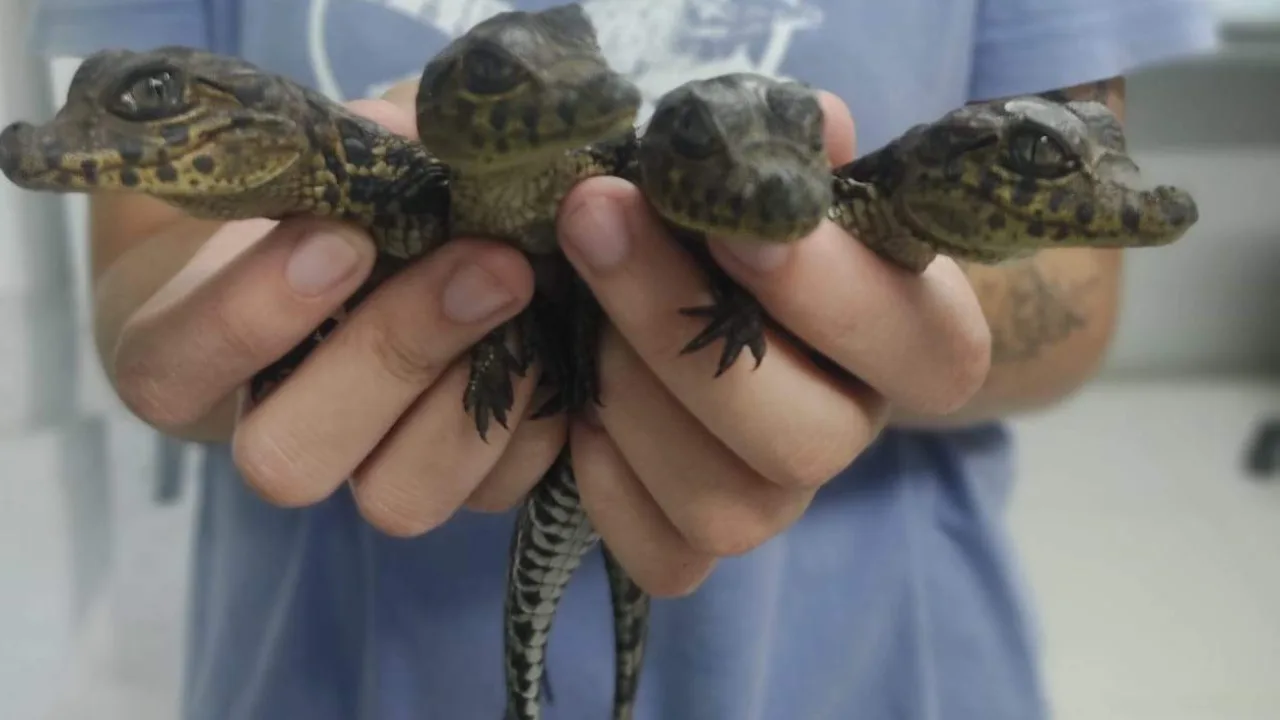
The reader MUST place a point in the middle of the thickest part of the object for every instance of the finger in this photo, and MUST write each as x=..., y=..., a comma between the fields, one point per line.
x=630, y=523
x=182, y=353
x=311, y=433
x=531, y=450
x=837, y=128
x=432, y=460
x=394, y=116
x=403, y=96
x=713, y=497
x=921, y=340
x=790, y=422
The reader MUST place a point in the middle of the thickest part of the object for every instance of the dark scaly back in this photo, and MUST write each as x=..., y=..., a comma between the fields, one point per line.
x=523, y=107
x=220, y=138
x=522, y=88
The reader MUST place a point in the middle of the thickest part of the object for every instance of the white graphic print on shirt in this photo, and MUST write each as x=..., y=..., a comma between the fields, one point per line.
x=658, y=44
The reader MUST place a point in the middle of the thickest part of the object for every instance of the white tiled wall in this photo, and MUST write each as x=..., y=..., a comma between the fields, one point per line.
x=53, y=515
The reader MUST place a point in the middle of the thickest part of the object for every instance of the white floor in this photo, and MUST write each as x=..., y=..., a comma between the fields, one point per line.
x=1154, y=562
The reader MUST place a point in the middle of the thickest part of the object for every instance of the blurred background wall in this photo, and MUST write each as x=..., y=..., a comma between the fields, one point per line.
x=1152, y=557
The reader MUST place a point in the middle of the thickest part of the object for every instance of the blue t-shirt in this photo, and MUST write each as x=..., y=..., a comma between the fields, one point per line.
x=894, y=598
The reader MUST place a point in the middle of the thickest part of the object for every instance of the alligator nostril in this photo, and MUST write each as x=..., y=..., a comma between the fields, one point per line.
x=773, y=186
x=11, y=148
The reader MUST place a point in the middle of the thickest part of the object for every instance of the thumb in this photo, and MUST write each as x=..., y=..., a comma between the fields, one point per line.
x=394, y=110
x=403, y=94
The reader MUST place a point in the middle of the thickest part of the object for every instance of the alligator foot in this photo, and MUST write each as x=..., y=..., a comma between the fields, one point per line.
x=735, y=317
x=490, y=393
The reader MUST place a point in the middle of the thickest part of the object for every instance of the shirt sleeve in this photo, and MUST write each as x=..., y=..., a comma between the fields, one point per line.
x=1032, y=46
x=78, y=28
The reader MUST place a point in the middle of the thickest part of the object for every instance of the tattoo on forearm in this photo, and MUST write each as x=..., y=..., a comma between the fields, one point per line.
x=1030, y=313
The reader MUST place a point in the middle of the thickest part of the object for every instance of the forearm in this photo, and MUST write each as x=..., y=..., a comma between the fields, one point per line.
x=1051, y=318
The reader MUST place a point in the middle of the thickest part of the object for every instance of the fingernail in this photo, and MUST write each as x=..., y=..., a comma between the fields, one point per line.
x=597, y=230
x=759, y=256
x=320, y=262
x=473, y=295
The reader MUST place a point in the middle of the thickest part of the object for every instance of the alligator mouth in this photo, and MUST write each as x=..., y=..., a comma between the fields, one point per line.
x=20, y=141
x=1159, y=214
x=1175, y=213
x=12, y=149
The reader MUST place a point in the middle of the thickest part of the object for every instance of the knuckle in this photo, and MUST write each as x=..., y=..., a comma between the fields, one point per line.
x=154, y=395
x=676, y=579
x=729, y=531
x=233, y=333
x=968, y=363
x=493, y=501
x=399, y=502
x=973, y=361
x=276, y=471
x=394, y=509
x=809, y=459
x=403, y=357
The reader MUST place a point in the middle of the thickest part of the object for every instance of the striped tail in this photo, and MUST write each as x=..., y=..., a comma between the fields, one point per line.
x=551, y=537
x=630, y=630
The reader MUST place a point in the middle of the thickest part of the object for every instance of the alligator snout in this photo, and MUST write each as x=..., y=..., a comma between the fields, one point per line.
x=11, y=147
x=1177, y=206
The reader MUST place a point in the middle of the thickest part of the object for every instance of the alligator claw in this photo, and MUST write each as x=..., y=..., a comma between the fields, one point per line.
x=735, y=317
x=490, y=392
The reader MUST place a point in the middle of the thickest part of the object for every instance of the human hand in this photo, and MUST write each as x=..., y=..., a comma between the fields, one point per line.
x=682, y=468
x=380, y=401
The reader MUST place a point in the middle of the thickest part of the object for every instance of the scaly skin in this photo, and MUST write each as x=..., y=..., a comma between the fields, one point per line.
x=505, y=108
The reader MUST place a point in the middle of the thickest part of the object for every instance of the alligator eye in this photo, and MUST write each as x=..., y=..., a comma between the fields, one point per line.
x=150, y=95
x=692, y=134
x=1035, y=153
x=794, y=103
x=800, y=112
x=485, y=72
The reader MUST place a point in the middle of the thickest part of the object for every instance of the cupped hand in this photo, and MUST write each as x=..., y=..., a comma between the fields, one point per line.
x=379, y=402
x=679, y=468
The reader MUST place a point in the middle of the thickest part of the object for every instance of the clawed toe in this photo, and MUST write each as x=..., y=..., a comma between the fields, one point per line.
x=490, y=391
x=734, y=317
